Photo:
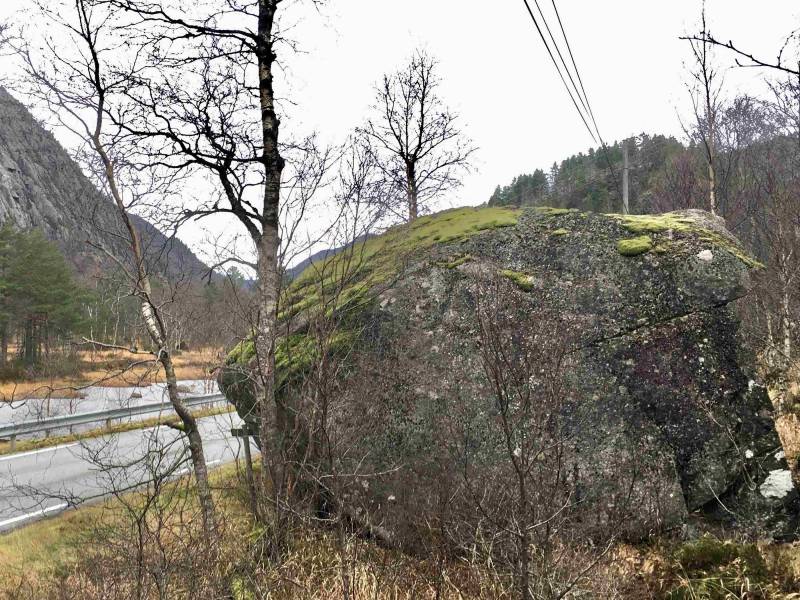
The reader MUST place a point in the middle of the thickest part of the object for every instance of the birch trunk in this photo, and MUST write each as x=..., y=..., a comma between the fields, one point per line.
x=268, y=269
x=786, y=320
x=157, y=332
x=712, y=182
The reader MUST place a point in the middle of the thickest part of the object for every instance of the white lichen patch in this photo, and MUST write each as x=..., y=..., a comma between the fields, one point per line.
x=705, y=255
x=748, y=453
x=777, y=484
x=780, y=455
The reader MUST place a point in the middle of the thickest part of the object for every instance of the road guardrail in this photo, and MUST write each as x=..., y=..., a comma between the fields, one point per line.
x=12, y=430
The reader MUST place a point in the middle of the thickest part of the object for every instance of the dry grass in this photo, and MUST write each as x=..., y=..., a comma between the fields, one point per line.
x=316, y=566
x=312, y=568
x=48, y=545
x=112, y=369
x=317, y=562
x=42, y=546
x=788, y=426
x=787, y=420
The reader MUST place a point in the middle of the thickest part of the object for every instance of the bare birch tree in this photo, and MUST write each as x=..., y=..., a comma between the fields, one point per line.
x=705, y=92
x=81, y=89
x=206, y=103
x=416, y=138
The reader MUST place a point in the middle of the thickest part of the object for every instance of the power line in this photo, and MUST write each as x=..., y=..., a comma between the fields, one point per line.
x=587, y=105
x=575, y=66
x=586, y=97
x=555, y=64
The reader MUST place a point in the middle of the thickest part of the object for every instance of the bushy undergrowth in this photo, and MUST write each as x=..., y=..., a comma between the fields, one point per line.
x=712, y=569
x=103, y=554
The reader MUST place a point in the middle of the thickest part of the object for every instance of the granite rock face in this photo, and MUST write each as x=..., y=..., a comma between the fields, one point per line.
x=42, y=187
x=662, y=400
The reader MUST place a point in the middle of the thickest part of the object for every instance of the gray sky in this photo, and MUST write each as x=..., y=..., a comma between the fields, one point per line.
x=497, y=75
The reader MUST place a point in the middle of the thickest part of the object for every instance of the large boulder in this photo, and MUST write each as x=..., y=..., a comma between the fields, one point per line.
x=665, y=410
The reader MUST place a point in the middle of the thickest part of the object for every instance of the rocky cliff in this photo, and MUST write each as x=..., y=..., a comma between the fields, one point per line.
x=42, y=187
x=618, y=332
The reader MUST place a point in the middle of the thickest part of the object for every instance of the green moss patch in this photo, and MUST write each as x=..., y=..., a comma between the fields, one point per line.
x=550, y=211
x=455, y=262
x=635, y=246
x=559, y=232
x=664, y=247
x=682, y=224
x=242, y=353
x=347, y=276
x=656, y=223
x=294, y=354
x=522, y=280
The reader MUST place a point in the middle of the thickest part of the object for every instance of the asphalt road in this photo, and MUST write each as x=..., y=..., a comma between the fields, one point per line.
x=45, y=482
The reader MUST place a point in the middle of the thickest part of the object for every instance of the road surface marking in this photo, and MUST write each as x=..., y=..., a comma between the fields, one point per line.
x=31, y=452
x=32, y=515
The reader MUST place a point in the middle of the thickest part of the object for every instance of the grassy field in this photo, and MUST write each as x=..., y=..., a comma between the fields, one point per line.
x=110, y=369
x=40, y=551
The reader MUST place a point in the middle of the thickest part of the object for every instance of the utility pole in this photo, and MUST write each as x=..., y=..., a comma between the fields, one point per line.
x=625, y=169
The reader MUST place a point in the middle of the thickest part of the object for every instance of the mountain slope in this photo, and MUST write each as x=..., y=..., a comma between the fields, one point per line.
x=42, y=187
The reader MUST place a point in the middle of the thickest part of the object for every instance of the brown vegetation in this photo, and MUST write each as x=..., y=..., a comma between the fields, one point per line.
x=110, y=368
x=50, y=559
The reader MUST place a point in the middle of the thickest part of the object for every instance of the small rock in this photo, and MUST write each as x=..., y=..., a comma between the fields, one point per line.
x=705, y=255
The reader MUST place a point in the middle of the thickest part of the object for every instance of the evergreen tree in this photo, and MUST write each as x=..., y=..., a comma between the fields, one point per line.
x=592, y=181
x=39, y=297
x=525, y=190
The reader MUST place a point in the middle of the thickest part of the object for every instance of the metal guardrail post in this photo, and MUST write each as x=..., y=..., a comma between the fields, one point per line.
x=244, y=434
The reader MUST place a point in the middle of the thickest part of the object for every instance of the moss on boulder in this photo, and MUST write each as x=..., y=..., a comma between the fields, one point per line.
x=635, y=246
x=522, y=280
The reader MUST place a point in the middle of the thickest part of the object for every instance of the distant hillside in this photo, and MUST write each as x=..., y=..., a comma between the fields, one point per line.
x=294, y=271
x=42, y=187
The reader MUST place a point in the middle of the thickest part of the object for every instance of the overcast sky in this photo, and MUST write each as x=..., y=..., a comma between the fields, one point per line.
x=497, y=75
